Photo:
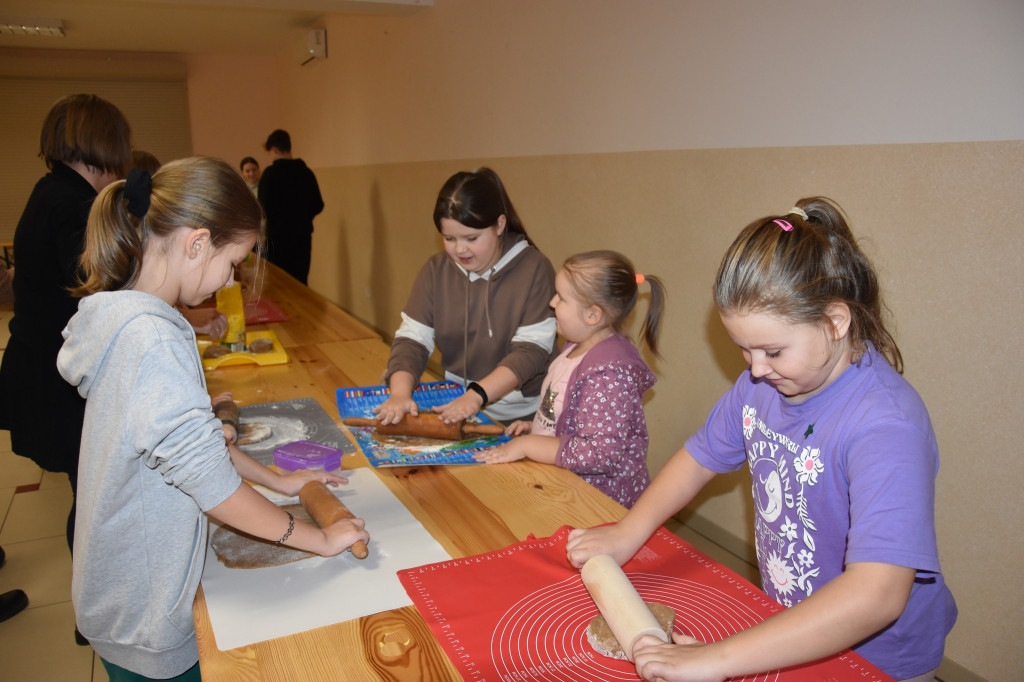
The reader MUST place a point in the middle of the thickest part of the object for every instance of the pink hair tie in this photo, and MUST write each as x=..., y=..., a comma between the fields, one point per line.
x=784, y=224
x=640, y=279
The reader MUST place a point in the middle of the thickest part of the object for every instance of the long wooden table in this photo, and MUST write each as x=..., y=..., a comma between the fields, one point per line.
x=329, y=349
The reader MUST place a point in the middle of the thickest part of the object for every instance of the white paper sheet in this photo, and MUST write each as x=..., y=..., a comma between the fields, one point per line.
x=253, y=605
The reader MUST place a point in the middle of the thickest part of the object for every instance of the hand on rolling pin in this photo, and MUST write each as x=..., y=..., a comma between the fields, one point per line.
x=463, y=407
x=344, y=534
x=394, y=408
x=585, y=543
x=224, y=408
x=687, y=660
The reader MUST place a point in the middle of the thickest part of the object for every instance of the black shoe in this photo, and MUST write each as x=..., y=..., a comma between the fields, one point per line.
x=12, y=603
x=3, y=556
x=80, y=639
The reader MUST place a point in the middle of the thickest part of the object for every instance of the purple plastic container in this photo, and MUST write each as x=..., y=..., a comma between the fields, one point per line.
x=304, y=454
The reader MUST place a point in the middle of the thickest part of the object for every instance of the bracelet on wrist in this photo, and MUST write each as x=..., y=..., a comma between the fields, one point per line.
x=479, y=390
x=291, y=527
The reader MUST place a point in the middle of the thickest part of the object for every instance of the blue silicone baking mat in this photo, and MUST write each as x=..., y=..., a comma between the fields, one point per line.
x=391, y=451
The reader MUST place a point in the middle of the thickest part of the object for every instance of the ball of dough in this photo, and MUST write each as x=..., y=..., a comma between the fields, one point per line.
x=216, y=350
x=261, y=346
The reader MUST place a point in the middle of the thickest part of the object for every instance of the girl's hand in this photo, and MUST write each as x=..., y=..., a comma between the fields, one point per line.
x=230, y=434
x=507, y=452
x=221, y=397
x=291, y=483
x=466, y=405
x=585, y=543
x=687, y=660
x=518, y=428
x=394, y=408
x=207, y=321
x=343, y=534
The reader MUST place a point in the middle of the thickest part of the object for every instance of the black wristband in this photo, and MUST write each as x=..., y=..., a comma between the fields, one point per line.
x=479, y=390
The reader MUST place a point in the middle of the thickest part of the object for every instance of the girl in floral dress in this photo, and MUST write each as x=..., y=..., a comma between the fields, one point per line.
x=843, y=461
x=591, y=416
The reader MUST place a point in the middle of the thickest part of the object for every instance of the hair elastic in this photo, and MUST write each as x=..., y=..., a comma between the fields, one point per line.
x=137, y=187
x=796, y=210
x=640, y=279
x=784, y=224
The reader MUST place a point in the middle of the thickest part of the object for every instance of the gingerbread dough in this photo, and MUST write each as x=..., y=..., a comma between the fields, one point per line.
x=235, y=549
x=600, y=636
x=253, y=432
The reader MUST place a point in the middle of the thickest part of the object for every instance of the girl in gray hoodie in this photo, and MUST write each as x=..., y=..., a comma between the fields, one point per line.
x=153, y=457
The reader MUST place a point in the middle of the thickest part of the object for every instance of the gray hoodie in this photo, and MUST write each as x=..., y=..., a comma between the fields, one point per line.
x=153, y=459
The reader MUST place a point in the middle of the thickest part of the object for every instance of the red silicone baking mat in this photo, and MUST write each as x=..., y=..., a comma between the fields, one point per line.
x=263, y=311
x=521, y=613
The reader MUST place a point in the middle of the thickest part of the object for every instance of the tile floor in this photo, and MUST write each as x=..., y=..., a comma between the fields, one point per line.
x=39, y=642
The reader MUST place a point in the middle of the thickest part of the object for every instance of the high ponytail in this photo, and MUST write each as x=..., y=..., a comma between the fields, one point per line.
x=795, y=266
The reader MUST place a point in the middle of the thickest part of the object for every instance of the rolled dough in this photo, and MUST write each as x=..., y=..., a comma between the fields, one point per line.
x=618, y=601
x=253, y=432
x=600, y=636
x=235, y=549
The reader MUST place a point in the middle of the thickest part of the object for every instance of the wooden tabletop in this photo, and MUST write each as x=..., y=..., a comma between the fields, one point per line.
x=329, y=349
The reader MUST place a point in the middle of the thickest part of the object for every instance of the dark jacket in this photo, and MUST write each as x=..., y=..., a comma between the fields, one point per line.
x=42, y=411
x=290, y=196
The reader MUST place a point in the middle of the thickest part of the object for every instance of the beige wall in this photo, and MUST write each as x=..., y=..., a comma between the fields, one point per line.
x=660, y=128
x=234, y=103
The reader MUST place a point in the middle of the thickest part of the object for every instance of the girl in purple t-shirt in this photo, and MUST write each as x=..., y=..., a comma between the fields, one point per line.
x=591, y=416
x=842, y=457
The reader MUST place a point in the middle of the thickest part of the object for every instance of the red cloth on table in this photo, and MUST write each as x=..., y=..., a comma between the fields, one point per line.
x=521, y=613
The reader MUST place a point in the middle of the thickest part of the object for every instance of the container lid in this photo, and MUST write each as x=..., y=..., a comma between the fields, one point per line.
x=304, y=454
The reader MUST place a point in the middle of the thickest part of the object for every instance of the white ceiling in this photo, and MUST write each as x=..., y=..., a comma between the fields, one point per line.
x=184, y=26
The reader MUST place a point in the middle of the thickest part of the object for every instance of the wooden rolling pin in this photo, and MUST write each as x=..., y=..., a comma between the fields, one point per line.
x=618, y=601
x=429, y=425
x=316, y=498
x=227, y=411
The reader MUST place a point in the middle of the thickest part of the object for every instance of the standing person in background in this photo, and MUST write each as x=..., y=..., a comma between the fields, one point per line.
x=145, y=160
x=291, y=199
x=251, y=172
x=86, y=144
x=485, y=302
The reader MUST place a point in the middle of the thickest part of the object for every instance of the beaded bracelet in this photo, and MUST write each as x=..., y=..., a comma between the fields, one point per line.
x=291, y=527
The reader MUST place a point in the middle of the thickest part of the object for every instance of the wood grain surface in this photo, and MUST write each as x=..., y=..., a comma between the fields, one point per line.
x=467, y=509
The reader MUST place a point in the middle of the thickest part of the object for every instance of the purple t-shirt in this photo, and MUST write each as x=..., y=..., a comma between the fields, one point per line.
x=846, y=476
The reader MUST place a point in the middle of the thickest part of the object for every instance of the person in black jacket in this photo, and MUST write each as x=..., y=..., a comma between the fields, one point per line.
x=290, y=196
x=86, y=144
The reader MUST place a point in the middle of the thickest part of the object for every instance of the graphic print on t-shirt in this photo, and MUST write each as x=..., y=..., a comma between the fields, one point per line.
x=547, y=404
x=782, y=472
